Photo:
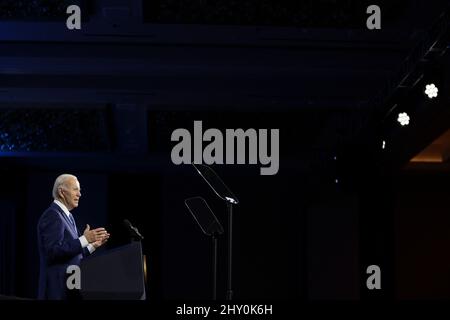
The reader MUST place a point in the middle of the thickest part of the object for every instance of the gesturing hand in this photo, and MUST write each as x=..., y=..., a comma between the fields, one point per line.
x=95, y=234
x=99, y=243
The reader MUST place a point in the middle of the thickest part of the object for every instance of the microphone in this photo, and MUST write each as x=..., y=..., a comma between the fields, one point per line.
x=133, y=230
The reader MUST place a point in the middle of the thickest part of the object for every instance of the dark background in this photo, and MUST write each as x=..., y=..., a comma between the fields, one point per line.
x=102, y=102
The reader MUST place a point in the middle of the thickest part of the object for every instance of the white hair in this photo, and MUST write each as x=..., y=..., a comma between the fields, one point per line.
x=60, y=182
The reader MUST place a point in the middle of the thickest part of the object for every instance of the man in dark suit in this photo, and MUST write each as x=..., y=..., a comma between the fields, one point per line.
x=60, y=243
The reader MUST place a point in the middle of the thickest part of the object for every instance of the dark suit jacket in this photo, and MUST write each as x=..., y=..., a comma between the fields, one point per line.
x=59, y=247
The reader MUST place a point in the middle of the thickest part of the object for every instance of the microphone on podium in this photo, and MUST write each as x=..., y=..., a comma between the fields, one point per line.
x=134, y=232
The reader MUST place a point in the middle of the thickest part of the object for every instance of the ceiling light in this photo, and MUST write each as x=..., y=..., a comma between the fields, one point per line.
x=403, y=118
x=431, y=91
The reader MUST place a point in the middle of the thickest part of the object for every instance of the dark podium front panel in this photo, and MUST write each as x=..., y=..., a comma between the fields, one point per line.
x=116, y=274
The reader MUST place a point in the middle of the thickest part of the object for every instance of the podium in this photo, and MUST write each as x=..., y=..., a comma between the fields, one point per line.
x=117, y=274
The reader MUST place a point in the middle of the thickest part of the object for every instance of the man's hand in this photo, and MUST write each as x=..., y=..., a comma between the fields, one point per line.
x=95, y=235
x=99, y=243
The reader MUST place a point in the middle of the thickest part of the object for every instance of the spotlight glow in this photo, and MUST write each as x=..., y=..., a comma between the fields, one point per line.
x=431, y=91
x=403, y=118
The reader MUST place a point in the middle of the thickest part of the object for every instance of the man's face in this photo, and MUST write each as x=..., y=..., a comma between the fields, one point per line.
x=71, y=193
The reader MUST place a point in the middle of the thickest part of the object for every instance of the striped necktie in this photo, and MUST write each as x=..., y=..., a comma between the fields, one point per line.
x=72, y=220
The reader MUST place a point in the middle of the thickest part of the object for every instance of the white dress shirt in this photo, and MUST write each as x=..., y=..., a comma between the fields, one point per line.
x=83, y=240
